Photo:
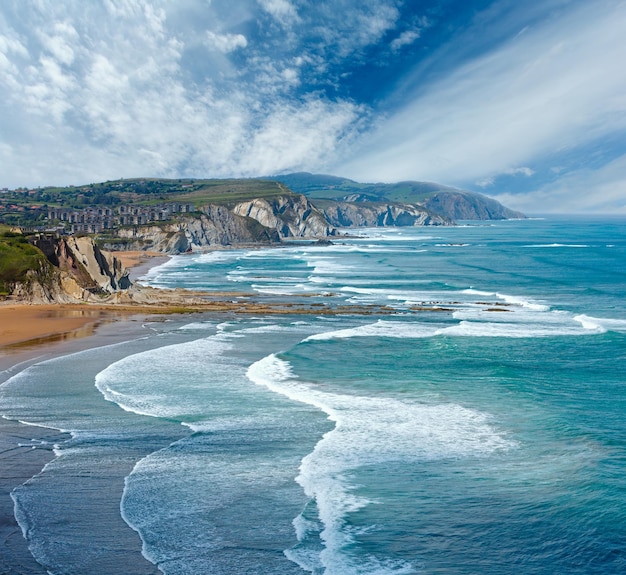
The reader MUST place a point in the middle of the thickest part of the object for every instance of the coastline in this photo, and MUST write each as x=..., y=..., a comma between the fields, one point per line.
x=30, y=334
x=138, y=263
x=26, y=449
x=29, y=331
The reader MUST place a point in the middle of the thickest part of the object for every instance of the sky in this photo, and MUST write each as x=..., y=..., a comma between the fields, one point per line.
x=521, y=101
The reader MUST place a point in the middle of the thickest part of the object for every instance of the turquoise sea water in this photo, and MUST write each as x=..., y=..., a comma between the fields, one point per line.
x=478, y=427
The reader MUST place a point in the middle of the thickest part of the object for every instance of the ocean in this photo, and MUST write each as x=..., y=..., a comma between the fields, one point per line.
x=468, y=416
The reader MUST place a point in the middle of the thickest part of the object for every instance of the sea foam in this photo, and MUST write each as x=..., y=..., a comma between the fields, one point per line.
x=150, y=382
x=601, y=324
x=369, y=431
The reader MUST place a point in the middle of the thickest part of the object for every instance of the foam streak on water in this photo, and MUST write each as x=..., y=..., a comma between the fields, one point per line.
x=368, y=431
x=471, y=420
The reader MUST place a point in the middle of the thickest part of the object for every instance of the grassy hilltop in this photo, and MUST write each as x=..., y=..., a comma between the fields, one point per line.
x=29, y=208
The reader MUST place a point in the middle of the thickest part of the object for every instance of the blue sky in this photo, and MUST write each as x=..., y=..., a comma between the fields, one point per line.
x=523, y=101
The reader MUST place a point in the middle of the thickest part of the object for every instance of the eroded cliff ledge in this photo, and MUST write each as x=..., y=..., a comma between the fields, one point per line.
x=260, y=221
x=378, y=214
x=76, y=270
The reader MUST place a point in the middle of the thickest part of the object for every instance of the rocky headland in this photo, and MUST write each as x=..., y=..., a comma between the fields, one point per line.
x=53, y=267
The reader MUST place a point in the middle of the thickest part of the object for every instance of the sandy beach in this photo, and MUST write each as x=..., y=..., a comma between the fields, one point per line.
x=138, y=263
x=24, y=323
x=25, y=329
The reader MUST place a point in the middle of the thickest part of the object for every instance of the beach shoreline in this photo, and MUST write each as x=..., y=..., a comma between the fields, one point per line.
x=26, y=327
x=33, y=333
x=26, y=449
x=30, y=334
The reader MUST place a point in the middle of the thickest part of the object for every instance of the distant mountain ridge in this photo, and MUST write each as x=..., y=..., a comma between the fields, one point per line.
x=436, y=199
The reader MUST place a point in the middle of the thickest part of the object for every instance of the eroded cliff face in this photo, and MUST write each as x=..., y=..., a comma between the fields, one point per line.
x=465, y=206
x=288, y=216
x=258, y=221
x=357, y=214
x=216, y=227
x=93, y=268
x=77, y=270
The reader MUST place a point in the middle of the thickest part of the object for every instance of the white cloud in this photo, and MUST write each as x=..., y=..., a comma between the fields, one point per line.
x=12, y=54
x=523, y=171
x=491, y=180
x=226, y=43
x=107, y=95
x=59, y=43
x=291, y=138
x=405, y=39
x=485, y=182
x=282, y=10
x=581, y=191
x=553, y=88
x=371, y=24
x=11, y=45
x=343, y=28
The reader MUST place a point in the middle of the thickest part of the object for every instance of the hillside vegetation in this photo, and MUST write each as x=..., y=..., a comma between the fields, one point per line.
x=444, y=201
x=333, y=187
x=147, y=191
x=28, y=208
x=17, y=258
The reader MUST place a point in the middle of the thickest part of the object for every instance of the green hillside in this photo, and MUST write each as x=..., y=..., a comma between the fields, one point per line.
x=228, y=192
x=147, y=191
x=439, y=199
x=17, y=257
x=28, y=208
x=332, y=187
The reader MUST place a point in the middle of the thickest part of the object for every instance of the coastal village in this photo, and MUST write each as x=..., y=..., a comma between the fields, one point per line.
x=24, y=209
x=97, y=220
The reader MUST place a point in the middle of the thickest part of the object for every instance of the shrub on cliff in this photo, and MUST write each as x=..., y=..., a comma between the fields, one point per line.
x=17, y=258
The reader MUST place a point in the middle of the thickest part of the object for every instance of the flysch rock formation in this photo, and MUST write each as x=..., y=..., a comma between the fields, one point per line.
x=77, y=270
x=258, y=221
x=289, y=216
x=354, y=214
x=216, y=227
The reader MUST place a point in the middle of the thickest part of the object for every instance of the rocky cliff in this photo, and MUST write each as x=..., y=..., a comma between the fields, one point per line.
x=460, y=205
x=371, y=214
x=290, y=216
x=446, y=201
x=217, y=226
x=253, y=222
x=76, y=270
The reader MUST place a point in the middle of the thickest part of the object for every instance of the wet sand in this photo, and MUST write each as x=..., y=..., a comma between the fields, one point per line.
x=30, y=334
x=23, y=323
x=25, y=449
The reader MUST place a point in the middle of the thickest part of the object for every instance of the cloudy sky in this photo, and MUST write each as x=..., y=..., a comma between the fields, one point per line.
x=523, y=101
